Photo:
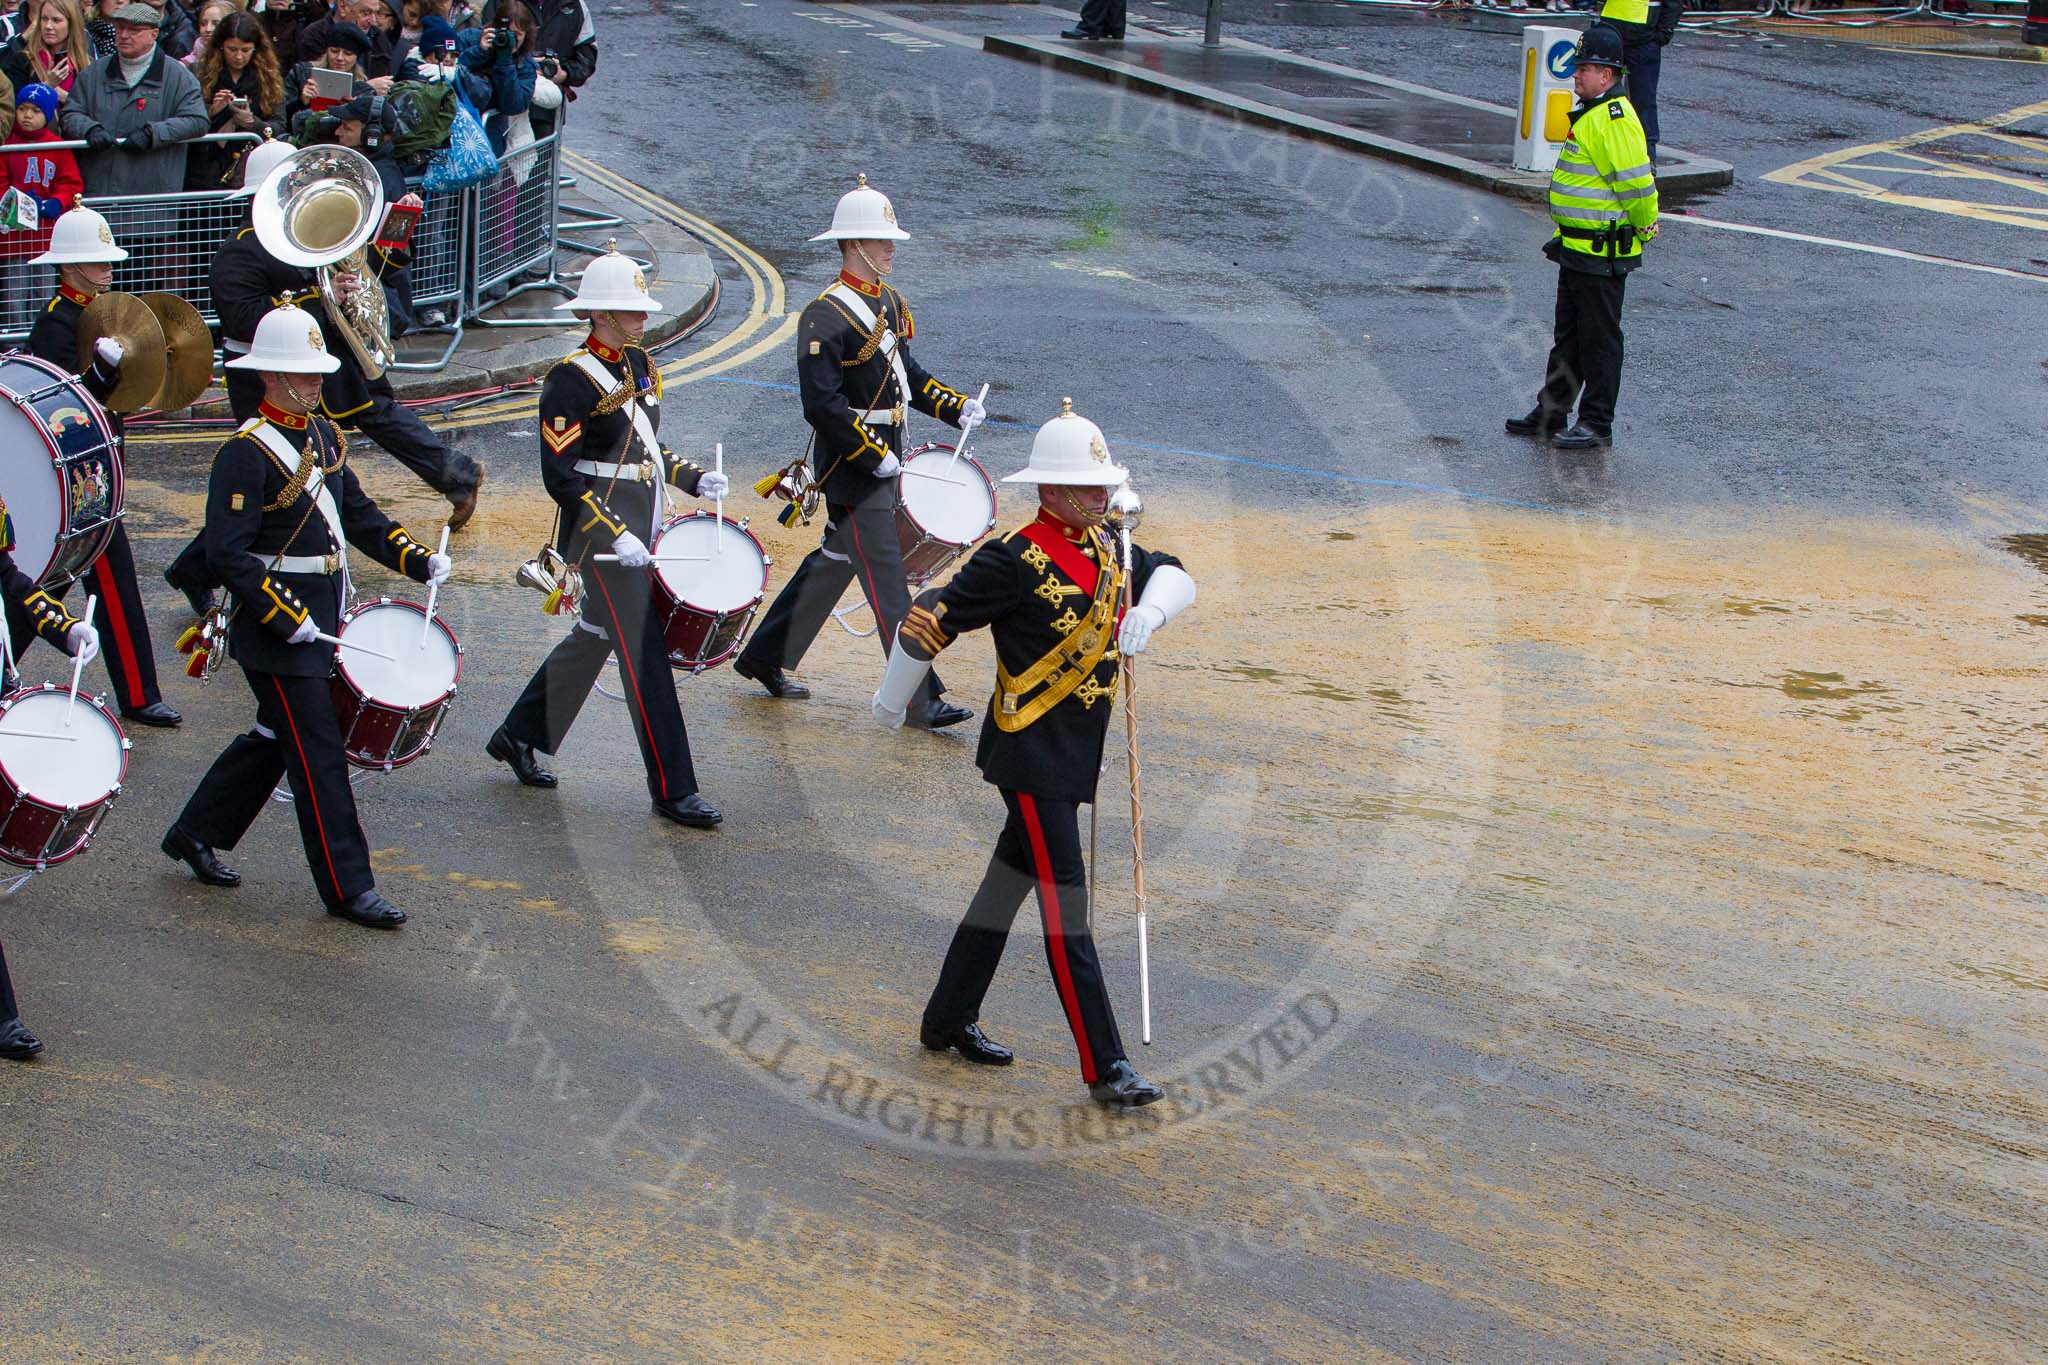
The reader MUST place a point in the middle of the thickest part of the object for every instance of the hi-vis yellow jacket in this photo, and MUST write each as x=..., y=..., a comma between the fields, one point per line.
x=1603, y=194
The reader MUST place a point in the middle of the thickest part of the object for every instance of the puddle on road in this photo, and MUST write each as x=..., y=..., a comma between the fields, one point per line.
x=2031, y=546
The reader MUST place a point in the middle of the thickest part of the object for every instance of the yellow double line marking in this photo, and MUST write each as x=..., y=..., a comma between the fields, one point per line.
x=767, y=306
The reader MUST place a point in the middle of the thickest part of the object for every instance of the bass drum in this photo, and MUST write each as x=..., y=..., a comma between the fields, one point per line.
x=60, y=469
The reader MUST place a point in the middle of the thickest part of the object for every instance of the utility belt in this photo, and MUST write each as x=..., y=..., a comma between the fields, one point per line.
x=1614, y=239
x=312, y=564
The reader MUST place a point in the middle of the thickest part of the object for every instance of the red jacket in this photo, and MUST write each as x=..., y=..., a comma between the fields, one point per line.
x=49, y=176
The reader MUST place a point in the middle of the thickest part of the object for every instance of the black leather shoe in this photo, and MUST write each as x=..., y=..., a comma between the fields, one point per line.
x=17, y=1044
x=156, y=713
x=693, y=810
x=1122, y=1085
x=972, y=1043
x=937, y=714
x=1535, y=424
x=1081, y=34
x=197, y=856
x=519, y=756
x=1582, y=437
x=779, y=684
x=463, y=505
x=370, y=910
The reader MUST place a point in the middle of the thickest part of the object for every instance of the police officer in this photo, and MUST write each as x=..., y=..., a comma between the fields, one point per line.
x=1053, y=594
x=857, y=379
x=1643, y=40
x=1603, y=203
x=83, y=249
x=604, y=465
x=45, y=615
x=281, y=502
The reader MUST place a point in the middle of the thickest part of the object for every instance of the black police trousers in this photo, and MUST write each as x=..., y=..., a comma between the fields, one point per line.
x=860, y=542
x=1585, y=351
x=297, y=737
x=1040, y=848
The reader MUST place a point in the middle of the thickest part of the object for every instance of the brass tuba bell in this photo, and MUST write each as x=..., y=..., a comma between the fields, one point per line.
x=320, y=207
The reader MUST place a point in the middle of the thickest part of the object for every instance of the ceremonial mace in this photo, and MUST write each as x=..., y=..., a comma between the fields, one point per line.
x=1127, y=507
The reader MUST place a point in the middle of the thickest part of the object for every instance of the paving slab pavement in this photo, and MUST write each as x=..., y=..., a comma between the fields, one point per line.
x=1463, y=139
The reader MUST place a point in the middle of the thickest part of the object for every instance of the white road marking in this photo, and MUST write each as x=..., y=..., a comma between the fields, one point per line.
x=1868, y=248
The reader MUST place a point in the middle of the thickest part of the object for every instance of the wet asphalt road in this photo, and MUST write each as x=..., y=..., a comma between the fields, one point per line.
x=1552, y=963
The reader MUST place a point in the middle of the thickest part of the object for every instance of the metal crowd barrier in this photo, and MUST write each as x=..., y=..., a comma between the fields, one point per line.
x=471, y=248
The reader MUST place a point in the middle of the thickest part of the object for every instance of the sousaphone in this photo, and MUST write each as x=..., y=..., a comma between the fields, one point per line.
x=167, y=353
x=320, y=207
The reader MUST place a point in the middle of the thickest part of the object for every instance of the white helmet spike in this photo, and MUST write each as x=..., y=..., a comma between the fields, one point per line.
x=863, y=215
x=1070, y=450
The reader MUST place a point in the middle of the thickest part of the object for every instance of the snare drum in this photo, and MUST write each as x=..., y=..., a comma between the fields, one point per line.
x=709, y=576
x=390, y=709
x=57, y=781
x=943, y=506
x=60, y=469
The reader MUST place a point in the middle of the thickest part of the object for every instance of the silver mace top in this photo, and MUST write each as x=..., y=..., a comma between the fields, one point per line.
x=1126, y=507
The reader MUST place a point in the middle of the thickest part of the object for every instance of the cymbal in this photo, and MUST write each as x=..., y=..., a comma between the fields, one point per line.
x=129, y=321
x=188, y=352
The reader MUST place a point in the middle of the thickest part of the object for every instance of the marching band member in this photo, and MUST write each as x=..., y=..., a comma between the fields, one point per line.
x=280, y=504
x=602, y=463
x=36, y=610
x=1052, y=593
x=83, y=249
x=857, y=378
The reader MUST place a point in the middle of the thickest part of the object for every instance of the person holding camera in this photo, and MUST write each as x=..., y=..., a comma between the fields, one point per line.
x=502, y=53
x=52, y=51
x=565, y=48
x=134, y=111
x=244, y=93
x=346, y=47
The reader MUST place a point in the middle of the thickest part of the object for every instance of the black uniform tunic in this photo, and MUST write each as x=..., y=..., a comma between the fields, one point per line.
x=593, y=511
x=844, y=374
x=250, y=521
x=118, y=615
x=1037, y=589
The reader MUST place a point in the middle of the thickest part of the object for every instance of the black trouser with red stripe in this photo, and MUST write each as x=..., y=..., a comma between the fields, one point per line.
x=1040, y=849
x=298, y=738
x=616, y=608
x=118, y=616
x=860, y=542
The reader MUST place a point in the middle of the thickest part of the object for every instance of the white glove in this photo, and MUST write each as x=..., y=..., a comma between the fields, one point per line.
x=891, y=720
x=632, y=554
x=438, y=569
x=1139, y=623
x=109, y=350
x=82, y=642
x=308, y=628
x=890, y=466
x=713, y=485
x=972, y=413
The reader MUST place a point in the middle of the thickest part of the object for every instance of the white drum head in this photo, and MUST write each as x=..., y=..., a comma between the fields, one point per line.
x=29, y=483
x=950, y=498
x=725, y=572
x=421, y=676
x=78, y=771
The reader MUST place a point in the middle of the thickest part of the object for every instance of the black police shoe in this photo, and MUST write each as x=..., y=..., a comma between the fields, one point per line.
x=937, y=714
x=779, y=684
x=1122, y=1085
x=156, y=713
x=693, y=810
x=1082, y=35
x=197, y=856
x=370, y=910
x=1535, y=424
x=971, y=1042
x=1582, y=437
x=518, y=755
x=17, y=1044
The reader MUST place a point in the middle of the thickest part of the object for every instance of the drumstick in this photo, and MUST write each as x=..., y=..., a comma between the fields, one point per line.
x=36, y=734
x=960, y=449
x=78, y=664
x=433, y=593
x=351, y=644
x=658, y=559
x=718, y=456
x=940, y=478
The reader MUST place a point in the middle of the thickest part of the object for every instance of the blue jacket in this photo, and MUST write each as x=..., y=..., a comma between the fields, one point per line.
x=510, y=80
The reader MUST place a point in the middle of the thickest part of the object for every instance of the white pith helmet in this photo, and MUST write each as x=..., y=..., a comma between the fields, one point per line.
x=261, y=161
x=288, y=341
x=81, y=236
x=1070, y=450
x=863, y=215
x=612, y=284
